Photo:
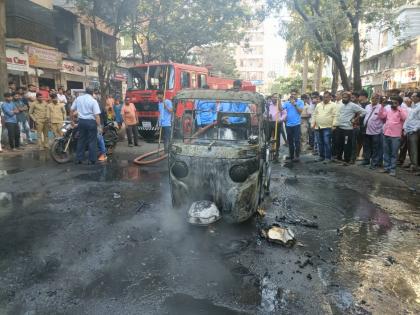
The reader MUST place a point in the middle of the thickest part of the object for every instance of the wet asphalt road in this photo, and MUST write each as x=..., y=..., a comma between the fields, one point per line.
x=105, y=240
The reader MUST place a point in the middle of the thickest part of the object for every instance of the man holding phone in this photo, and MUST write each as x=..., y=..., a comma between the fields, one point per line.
x=294, y=108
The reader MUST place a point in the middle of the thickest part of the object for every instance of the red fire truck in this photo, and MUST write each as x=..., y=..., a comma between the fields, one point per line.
x=146, y=79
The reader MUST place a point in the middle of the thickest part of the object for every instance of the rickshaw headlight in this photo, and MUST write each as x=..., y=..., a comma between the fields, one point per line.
x=239, y=173
x=179, y=169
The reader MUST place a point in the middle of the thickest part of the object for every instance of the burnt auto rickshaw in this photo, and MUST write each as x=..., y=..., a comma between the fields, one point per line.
x=221, y=166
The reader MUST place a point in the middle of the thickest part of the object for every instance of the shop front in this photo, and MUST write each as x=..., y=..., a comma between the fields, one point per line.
x=408, y=78
x=73, y=75
x=119, y=82
x=373, y=83
x=92, y=78
x=45, y=65
x=17, y=66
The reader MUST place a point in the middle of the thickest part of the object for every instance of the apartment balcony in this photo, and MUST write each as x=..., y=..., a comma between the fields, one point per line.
x=29, y=21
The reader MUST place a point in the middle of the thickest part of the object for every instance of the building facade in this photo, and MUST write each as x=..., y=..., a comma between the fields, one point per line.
x=50, y=44
x=30, y=46
x=260, y=57
x=393, y=62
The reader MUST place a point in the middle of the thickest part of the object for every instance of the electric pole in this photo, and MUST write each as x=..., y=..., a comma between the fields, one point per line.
x=3, y=61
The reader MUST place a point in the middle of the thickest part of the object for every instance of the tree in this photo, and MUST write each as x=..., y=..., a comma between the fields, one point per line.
x=170, y=29
x=112, y=14
x=370, y=12
x=3, y=61
x=334, y=22
x=283, y=85
x=219, y=59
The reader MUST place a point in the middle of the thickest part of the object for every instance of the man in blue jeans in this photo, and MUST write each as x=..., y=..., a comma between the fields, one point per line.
x=165, y=118
x=323, y=120
x=294, y=108
x=88, y=111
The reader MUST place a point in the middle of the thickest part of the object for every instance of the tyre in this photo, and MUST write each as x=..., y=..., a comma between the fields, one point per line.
x=57, y=152
x=148, y=135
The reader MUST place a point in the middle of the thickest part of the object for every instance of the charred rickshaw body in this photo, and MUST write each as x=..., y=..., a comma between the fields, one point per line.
x=225, y=160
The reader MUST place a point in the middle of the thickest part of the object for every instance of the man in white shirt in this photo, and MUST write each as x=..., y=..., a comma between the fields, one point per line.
x=87, y=110
x=61, y=97
x=412, y=130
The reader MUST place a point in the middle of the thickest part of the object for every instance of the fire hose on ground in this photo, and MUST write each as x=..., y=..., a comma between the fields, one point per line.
x=140, y=160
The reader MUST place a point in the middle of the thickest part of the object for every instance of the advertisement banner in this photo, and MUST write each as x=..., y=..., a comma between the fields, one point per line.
x=44, y=58
x=17, y=61
x=408, y=75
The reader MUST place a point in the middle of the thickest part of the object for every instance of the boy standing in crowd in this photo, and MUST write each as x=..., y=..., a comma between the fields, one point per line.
x=22, y=117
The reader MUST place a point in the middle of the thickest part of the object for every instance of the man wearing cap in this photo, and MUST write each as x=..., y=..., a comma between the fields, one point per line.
x=88, y=111
x=56, y=115
x=38, y=113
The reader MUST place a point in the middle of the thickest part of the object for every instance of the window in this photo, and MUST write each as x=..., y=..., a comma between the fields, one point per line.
x=202, y=80
x=151, y=78
x=185, y=80
x=193, y=80
x=384, y=39
x=83, y=36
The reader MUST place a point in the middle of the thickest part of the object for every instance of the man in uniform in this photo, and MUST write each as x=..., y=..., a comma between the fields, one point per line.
x=38, y=113
x=56, y=115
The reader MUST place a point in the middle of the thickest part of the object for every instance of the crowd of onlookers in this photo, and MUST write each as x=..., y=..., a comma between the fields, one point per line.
x=25, y=109
x=376, y=130
x=31, y=115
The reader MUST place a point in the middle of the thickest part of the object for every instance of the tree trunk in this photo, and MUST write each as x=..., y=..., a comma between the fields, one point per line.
x=133, y=43
x=3, y=61
x=343, y=73
x=305, y=72
x=335, y=74
x=318, y=78
x=357, y=80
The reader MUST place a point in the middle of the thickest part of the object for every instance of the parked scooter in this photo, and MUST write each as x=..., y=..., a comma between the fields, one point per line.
x=63, y=148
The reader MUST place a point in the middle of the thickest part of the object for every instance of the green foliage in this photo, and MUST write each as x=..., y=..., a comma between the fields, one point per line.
x=218, y=58
x=283, y=85
x=170, y=29
x=329, y=25
x=114, y=15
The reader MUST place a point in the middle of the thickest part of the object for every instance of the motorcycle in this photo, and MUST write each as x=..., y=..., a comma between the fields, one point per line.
x=63, y=148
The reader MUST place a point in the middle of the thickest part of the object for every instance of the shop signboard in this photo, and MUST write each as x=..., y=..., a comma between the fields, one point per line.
x=43, y=58
x=92, y=69
x=16, y=60
x=121, y=74
x=72, y=67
